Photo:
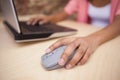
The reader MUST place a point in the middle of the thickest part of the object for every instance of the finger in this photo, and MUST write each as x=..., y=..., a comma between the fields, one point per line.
x=30, y=21
x=59, y=43
x=85, y=57
x=43, y=22
x=56, y=45
x=35, y=21
x=79, y=53
x=66, y=54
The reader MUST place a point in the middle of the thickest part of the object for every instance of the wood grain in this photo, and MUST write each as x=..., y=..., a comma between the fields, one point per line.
x=21, y=61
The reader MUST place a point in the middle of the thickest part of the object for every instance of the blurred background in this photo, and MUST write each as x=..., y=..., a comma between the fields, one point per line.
x=25, y=7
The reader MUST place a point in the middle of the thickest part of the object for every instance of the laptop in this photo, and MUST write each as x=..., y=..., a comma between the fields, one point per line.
x=24, y=33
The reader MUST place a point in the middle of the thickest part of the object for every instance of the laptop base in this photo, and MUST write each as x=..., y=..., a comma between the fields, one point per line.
x=19, y=37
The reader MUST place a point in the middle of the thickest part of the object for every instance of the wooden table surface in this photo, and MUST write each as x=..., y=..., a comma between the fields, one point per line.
x=22, y=61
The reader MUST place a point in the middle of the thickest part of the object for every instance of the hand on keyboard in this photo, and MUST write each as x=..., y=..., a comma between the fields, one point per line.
x=38, y=20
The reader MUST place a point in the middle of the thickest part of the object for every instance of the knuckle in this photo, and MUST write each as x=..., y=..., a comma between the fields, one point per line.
x=85, y=59
x=72, y=45
x=74, y=60
x=80, y=51
x=66, y=53
x=76, y=41
x=65, y=56
x=89, y=51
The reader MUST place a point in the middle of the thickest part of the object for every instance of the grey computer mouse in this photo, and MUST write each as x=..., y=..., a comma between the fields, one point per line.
x=50, y=61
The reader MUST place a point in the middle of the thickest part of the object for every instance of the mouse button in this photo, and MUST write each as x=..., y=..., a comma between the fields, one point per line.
x=50, y=61
x=49, y=64
x=46, y=63
x=49, y=54
x=46, y=56
x=58, y=51
x=45, y=60
x=43, y=57
x=57, y=54
x=53, y=60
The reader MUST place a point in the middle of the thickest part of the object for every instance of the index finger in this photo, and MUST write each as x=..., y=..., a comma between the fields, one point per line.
x=55, y=45
x=30, y=21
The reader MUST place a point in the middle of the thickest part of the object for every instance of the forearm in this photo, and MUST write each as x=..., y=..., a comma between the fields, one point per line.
x=108, y=33
x=58, y=16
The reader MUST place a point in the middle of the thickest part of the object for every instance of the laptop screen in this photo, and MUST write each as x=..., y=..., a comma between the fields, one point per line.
x=9, y=14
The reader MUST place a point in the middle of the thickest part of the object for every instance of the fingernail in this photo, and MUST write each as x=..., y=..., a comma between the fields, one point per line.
x=48, y=51
x=68, y=66
x=61, y=62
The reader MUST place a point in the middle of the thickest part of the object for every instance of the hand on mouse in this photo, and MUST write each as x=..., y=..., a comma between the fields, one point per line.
x=40, y=20
x=85, y=47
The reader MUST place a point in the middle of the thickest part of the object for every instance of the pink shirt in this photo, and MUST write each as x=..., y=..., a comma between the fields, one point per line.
x=81, y=7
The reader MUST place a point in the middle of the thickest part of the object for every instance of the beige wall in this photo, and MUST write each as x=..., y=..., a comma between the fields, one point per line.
x=39, y=6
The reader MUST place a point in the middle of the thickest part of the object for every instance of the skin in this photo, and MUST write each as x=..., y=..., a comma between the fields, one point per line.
x=51, y=18
x=85, y=45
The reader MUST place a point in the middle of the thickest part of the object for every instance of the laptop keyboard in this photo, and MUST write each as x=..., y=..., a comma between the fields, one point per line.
x=49, y=27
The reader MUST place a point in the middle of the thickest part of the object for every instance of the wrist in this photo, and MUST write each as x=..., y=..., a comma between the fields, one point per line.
x=97, y=38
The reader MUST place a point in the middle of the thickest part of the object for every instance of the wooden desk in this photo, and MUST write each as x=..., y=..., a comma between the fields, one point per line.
x=21, y=61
